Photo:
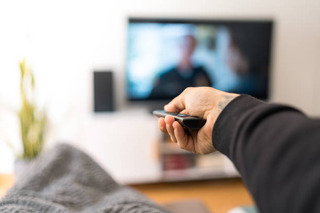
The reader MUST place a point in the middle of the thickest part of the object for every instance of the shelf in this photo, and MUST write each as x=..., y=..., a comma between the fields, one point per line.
x=196, y=174
x=181, y=165
x=172, y=148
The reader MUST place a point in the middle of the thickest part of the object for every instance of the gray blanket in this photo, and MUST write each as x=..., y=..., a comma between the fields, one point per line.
x=67, y=180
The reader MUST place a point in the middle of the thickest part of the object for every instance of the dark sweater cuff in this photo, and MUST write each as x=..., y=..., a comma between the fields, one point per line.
x=228, y=121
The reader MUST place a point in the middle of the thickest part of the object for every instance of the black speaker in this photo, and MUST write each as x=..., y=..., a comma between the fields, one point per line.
x=103, y=91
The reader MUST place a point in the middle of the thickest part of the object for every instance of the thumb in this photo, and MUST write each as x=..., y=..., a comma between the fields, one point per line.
x=176, y=105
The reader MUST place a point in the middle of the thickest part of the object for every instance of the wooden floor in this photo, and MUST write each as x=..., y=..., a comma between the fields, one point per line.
x=6, y=181
x=218, y=195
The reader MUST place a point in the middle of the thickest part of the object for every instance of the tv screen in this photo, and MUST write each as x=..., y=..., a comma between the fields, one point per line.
x=166, y=56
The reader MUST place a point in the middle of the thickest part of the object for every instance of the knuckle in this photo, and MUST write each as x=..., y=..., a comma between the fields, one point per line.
x=187, y=89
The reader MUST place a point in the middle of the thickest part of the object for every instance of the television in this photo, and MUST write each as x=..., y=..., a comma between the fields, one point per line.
x=164, y=56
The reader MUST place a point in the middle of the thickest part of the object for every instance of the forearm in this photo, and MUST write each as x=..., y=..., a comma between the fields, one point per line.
x=275, y=148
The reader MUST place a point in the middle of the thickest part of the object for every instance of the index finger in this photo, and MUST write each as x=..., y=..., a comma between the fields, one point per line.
x=162, y=125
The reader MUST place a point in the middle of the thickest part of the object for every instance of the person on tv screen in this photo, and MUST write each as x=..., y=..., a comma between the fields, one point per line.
x=173, y=81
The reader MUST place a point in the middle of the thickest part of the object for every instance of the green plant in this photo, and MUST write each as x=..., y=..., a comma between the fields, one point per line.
x=33, y=122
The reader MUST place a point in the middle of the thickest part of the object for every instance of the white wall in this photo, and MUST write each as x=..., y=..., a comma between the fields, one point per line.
x=65, y=40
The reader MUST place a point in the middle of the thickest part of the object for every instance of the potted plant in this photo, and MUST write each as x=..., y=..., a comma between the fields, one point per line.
x=33, y=121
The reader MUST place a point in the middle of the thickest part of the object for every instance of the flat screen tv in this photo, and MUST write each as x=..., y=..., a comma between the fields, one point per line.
x=164, y=56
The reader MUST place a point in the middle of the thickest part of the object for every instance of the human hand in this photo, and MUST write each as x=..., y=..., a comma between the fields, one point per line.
x=204, y=102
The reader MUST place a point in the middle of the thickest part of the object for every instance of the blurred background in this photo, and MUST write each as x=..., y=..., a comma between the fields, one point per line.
x=65, y=42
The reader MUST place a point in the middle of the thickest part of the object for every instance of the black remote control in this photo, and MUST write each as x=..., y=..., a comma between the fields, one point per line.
x=188, y=121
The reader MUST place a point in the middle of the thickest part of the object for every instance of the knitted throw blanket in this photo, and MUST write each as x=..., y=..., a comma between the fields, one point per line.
x=67, y=180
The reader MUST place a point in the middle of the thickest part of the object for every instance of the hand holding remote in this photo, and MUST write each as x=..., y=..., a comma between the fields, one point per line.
x=203, y=102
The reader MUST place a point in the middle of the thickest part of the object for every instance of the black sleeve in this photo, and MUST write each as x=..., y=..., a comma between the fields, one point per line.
x=276, y=149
